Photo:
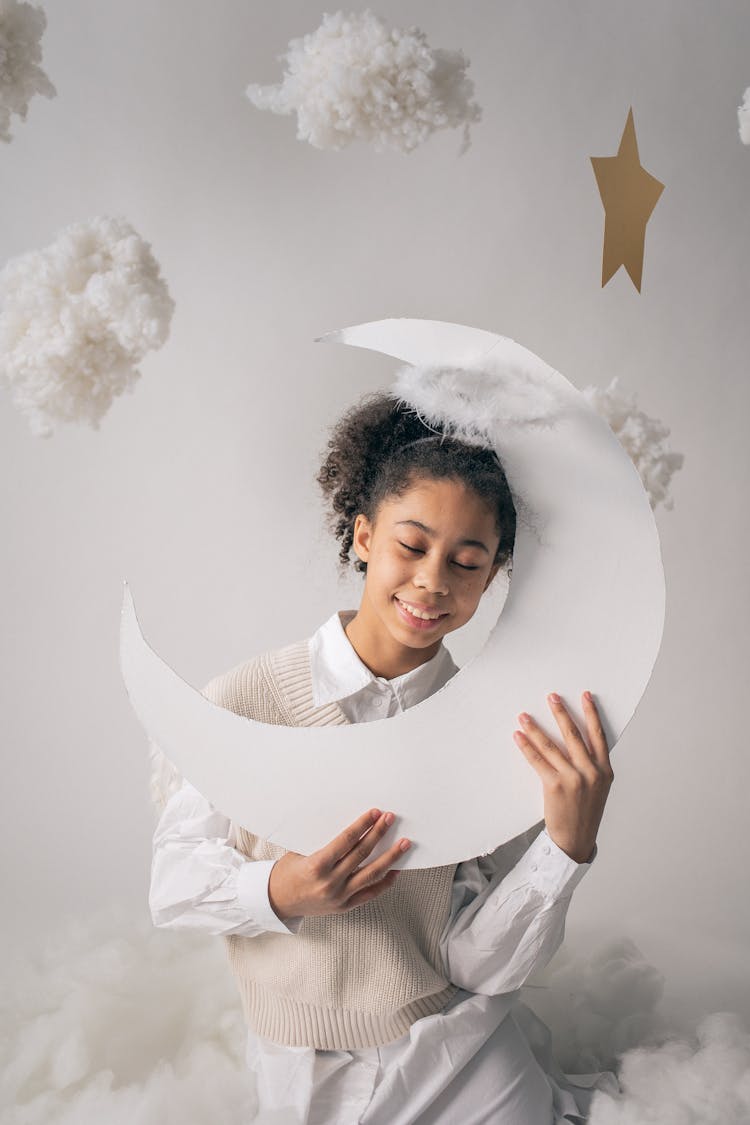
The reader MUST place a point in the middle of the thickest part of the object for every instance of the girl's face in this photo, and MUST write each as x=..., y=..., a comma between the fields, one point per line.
x=432, y=548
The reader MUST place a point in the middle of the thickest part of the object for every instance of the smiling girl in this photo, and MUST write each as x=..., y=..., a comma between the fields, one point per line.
x=373, y=995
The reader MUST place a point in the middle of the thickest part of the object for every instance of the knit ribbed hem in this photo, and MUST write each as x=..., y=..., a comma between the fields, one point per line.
x=294, y=1023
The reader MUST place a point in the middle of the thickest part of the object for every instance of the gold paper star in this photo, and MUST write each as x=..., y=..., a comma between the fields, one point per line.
x=629, y=194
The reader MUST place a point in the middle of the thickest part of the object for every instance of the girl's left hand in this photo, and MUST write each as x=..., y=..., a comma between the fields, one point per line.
x=576, y=783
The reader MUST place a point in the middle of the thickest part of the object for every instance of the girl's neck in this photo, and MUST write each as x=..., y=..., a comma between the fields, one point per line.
x=379, y=650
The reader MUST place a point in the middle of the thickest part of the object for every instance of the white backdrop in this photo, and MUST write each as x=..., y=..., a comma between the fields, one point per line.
x=199, y=487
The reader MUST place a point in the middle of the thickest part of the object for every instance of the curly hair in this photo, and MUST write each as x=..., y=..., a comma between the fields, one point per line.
x=369, y=458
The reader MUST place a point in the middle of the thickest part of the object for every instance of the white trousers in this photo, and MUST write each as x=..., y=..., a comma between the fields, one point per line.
x=502, y=1083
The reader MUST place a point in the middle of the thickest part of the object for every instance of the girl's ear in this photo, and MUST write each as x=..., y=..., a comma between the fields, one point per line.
x=361, y=537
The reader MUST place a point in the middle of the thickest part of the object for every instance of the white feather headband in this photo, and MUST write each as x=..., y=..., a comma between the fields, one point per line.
x=476, y=404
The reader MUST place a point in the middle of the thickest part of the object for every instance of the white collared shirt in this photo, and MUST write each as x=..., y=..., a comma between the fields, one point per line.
x=339, y=674
x=507, y=919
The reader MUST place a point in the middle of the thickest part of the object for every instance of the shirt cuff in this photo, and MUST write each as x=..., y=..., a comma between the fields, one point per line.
x=550, y=869
x=252, y=893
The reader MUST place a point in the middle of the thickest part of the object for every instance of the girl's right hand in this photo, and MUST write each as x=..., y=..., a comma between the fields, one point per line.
x=328, y=881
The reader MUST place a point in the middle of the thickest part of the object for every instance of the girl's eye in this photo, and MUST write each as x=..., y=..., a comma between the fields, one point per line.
x=417, y=551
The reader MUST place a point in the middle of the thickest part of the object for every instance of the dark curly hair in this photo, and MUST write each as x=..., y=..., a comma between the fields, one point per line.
x=368, y=459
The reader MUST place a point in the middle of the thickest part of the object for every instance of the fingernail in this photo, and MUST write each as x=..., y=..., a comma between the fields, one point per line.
x=554, y=697
x=588, y=696
x=389, y=818
x=524, y=718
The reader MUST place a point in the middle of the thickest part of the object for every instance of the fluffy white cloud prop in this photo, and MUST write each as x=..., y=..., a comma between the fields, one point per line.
x=603, y=1010
x=641, y=436
x=110, y=1020
x=703, y=1081
x=76, y=318
x=743, y=116
x=354, y=78
x=21, y=76
x=599, y=1004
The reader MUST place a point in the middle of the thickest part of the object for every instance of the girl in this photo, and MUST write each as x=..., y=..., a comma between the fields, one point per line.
x=376, y=996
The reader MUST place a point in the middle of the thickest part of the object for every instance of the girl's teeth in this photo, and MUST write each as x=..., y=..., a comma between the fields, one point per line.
x=418, y=612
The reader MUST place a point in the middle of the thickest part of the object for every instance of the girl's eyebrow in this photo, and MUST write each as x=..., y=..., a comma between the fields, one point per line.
x=430, y=531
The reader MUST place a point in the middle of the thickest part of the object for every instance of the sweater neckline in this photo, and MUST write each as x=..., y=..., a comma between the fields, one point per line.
x=291, y=668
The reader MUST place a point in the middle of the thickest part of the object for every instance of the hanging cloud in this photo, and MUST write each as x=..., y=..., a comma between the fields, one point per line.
x=641, y=436
x=355, y=78
x=21, y=76
x=76, y=318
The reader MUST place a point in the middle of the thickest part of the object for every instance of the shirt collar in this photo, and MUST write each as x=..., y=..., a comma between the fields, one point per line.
x=338, y=672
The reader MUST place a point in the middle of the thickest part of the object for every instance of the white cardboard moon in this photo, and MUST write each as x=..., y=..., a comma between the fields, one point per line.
x=585, y=610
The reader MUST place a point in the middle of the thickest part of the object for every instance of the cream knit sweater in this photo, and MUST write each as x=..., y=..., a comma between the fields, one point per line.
x=357, y=979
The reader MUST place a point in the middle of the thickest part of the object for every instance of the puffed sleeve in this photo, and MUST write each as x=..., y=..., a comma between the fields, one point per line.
x=508, y=912
x=200, y=880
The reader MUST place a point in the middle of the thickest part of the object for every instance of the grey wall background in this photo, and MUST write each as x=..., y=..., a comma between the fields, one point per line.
x=199, y=487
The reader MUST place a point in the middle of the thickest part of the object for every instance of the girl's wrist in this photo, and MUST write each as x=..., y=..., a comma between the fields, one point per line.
x=273, y=899
x=576, y=853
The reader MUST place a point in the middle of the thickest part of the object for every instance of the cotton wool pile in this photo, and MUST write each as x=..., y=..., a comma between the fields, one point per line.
x=703, y=1079
x=109, y=1019
x=355, y=78
x=601, y=1003
x=642, y=438
x=76, y=318
x=743, y=117
x=21, y=76
x=604, y=1009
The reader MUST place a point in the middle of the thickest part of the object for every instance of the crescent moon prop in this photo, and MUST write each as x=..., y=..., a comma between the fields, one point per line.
x=585, y=609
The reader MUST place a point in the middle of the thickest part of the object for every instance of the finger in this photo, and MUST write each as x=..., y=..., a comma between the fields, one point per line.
x=596, y=730
x=579, y=751
x=368, y=873
x=546, y=747
x=366, y=893
x=352, y=860
x=547, y=772
x=340, y=845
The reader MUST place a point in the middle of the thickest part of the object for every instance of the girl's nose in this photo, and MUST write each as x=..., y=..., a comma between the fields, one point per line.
x=432, y=579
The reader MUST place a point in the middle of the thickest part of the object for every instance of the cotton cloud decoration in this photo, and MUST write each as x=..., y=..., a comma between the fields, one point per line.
x=75, y=320
x=107, y=1019
x=642, y=437
x=743, y=117
x=695, y=1080
x=601, y=1002
x=354, y=78
x=21, y=76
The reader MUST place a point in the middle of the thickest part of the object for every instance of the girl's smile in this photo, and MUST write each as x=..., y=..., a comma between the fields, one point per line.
x=430, y=619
